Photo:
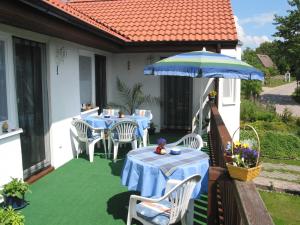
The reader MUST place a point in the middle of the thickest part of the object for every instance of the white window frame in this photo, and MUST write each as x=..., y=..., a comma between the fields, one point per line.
x=91, y=55
x=229, y=100
x=10, y=82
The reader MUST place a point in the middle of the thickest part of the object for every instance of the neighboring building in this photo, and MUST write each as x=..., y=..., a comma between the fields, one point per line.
x=266, y=61
x=56, y=55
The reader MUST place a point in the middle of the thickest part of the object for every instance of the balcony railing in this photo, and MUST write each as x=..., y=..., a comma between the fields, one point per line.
x=230, y=202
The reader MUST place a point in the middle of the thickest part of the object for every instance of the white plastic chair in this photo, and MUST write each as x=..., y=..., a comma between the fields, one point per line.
x=190, y=140
x=168, y=209
x=122, y=132
x=82, y=129
x=148, y=114
x=110, y=112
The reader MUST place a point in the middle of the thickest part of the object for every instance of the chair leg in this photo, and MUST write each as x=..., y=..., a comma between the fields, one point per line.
x=134, y=144
x=116, y=147
x=129, y=218
x=87, y=148
x=91, y=152
x=104, y=144
x=109, y=146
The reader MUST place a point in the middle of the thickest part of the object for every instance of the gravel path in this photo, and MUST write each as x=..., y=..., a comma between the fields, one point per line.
x=281, y=97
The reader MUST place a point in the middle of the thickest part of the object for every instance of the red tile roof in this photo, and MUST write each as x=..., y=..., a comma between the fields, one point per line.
x=158, y=20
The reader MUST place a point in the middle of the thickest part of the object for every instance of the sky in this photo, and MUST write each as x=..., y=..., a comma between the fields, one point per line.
x=255, y=19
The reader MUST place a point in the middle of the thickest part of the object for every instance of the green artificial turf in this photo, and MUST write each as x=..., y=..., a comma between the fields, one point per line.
x=83, y=193
x=284, y=208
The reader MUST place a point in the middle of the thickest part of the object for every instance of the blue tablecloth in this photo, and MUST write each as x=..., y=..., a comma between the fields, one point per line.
x=107, y=123
x=149, y=177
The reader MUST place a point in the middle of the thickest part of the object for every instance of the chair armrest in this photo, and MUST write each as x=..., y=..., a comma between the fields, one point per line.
x=170, y=184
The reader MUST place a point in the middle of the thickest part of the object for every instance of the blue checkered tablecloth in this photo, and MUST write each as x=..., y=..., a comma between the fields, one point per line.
x=107, y=123
x=148, y=172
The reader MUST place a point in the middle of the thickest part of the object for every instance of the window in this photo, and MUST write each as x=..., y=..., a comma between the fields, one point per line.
x=3, y=93
x=85, y=74
x=229, y=91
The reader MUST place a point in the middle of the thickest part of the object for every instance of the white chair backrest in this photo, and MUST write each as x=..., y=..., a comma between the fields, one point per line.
x=110, y=112
x=82, y=129
x=190, y=140
x=144, y=112
x=179, y=197
x=125, y=130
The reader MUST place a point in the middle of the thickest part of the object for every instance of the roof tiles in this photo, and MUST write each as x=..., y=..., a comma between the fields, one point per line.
x=157, y=20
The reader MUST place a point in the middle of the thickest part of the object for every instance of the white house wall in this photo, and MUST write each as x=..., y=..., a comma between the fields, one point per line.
x=230, y=111
x=133, y=74
x=63, y=91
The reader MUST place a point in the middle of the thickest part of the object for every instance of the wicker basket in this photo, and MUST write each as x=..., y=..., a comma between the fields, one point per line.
x=241, y=173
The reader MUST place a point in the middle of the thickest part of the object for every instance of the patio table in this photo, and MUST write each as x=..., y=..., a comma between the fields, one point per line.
x=106, y=123
x=148, y=172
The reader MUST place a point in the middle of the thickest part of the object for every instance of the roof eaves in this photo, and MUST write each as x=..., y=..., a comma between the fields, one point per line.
x=86, y=19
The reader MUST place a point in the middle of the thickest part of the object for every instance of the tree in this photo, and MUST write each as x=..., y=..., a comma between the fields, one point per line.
x=288, y=32
x=249, y=56
x=274, y=51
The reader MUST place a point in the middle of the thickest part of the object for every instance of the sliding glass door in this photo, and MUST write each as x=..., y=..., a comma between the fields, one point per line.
x=31, y=85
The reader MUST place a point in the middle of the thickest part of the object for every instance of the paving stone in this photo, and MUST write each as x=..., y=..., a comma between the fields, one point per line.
x=280, y=175
x=277, y=185
x=280, y=166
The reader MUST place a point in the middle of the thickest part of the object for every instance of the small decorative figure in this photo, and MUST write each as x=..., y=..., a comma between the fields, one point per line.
x=121, y=114
x=5, y=127
x=160, y=149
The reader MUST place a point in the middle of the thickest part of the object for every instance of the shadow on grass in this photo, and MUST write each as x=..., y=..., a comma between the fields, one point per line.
x=117, y=205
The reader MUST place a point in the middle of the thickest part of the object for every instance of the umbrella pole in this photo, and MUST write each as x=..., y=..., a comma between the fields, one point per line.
x=200, y=110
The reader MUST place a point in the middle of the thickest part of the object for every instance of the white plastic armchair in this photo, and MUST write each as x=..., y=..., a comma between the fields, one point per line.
x=82, y=129
x=190, y=140
x=148, y=114
x=168, y=209
x=122, y=132
x=110, y=112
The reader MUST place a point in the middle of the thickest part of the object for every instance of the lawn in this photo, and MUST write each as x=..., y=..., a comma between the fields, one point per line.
x=277, y=81
x=284, y=208
x=279, y=135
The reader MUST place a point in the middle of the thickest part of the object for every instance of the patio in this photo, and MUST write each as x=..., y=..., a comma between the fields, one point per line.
x=81, y=192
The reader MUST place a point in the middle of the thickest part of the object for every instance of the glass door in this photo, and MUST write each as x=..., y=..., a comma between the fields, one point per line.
x=177, y=102
x=30, y=64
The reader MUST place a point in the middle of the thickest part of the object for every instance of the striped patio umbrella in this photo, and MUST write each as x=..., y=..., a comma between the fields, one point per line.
x=204, y=64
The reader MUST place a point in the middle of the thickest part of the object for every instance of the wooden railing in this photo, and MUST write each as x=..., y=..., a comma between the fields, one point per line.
x=230, y=202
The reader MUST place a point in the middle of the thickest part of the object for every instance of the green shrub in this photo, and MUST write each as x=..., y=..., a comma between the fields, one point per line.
x=252, y=111
x=286, y=115
x=280, y=145
x=11, y=217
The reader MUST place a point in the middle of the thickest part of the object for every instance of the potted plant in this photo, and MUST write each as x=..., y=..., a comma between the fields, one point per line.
x=212, y=95
x=10, y=217
x=152, y=128
x=14, y=193
x=245, y=159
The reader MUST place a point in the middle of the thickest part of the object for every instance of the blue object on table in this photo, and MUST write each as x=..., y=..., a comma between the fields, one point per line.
x=107, y=123
x=147, y=172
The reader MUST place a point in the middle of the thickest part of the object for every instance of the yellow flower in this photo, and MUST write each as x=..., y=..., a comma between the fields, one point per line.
x=237, y=144
x=245, y=145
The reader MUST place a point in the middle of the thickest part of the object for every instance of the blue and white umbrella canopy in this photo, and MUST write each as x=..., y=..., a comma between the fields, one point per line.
x=204, y=64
